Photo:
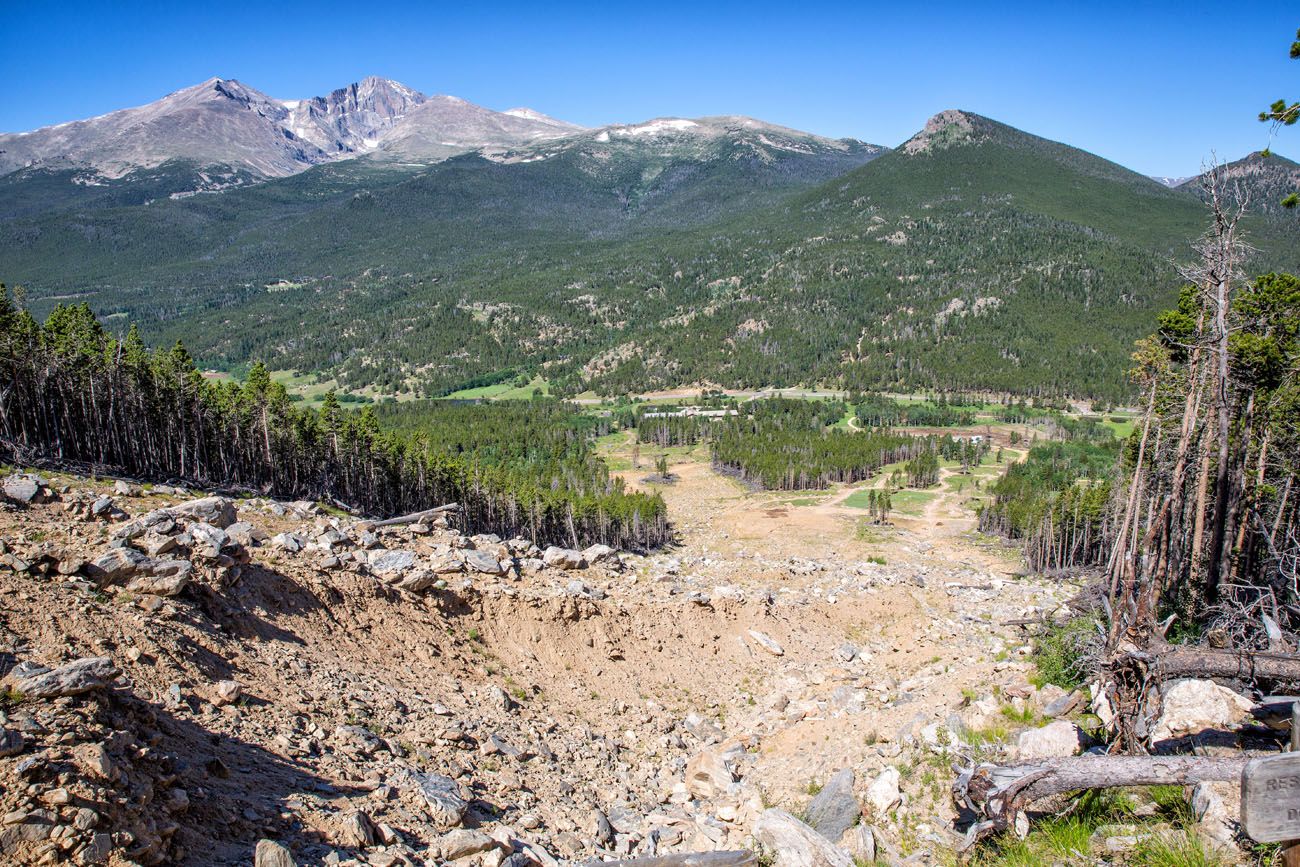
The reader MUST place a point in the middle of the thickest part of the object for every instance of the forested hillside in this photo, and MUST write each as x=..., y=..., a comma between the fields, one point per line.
x=73, y=394
x=975, y=256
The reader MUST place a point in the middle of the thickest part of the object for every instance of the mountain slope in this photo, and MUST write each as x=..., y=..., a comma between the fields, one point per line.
x=672, y=252
x=1263, y=181
x=218, y=122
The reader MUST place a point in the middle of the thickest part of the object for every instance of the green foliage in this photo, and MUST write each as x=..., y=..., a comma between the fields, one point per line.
x=876, y=410
x=784, y=444
x=1055, y=501
x=1064, y=653
x=73, y=393
x=1065, y=838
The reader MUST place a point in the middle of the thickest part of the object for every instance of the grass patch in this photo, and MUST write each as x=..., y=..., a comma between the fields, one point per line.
x=503, y=391
x=1175, y=851
x=1065, y=838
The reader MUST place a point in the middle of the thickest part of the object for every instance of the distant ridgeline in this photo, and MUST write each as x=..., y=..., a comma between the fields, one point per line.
x=71, y=392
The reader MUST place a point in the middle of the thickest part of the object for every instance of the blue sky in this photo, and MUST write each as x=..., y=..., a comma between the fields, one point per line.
x=1157, y=87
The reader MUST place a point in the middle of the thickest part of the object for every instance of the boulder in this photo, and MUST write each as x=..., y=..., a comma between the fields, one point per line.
x=391, y=564
x=227, y=692
x=1192, y=706
x=447, y=564
x=417, y=580
x=358, y=831
x=118, y=564
x=155, y=544
x=883, y=794
x=482, y=561
x=1062, y=705
x=12, y=742
x=22, y=489
x=766, y=642
x=271, y=854
x=460, y=843
x=288, y=542
x=165, y=578
x=74, y=678
x=597, y=553
x=217, y=511
x=791, y=843
x=860, y=842
x=209, y=539
x=1054, y=740
x=710, y=773
x=442, y=800
x=247, y=534
x=563, y=558
x=834, y=810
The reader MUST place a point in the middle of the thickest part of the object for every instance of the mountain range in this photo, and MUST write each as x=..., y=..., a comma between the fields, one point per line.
x=223, y=122
x=414, y=243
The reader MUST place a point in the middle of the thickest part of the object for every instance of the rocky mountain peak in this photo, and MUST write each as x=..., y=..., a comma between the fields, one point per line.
x=354, y=118
x=949, y=127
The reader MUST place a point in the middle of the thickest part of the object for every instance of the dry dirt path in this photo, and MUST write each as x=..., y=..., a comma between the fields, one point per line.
x=924, y=600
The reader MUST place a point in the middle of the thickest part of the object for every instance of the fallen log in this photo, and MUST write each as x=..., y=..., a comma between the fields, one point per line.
x=997, y=795
x=735, y=858
x=1169, y=662
x=416, y=517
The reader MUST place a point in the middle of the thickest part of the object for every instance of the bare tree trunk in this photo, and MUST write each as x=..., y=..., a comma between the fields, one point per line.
x=998, y=794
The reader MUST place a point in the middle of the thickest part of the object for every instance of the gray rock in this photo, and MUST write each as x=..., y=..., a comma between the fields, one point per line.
x=12, y=742
x=217, y=511
x=766, y=642
x=835, y=810
x=359, y=831
x=21, y=489
x=1059, y=707
x=288, y=542
x=119, y=564
x=166, y=578
x=1054, y=740
x=443, y=803
x=791, y=843
x=27, y=831
x=460, y=843
x=391, y=564
x=417, y=580
x=482, y=561
x=247, y=534
x=74, y=678
x=209, y=539
x=563, y=558
x=577, y=588
x=271, y=854
x=600, y=828
x=598, y=553
x=156, y=544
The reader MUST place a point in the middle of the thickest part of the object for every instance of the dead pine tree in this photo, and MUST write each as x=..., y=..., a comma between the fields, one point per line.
x=1168, y=510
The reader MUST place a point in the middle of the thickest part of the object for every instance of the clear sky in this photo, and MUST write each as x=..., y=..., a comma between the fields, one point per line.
x=1157, y=87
